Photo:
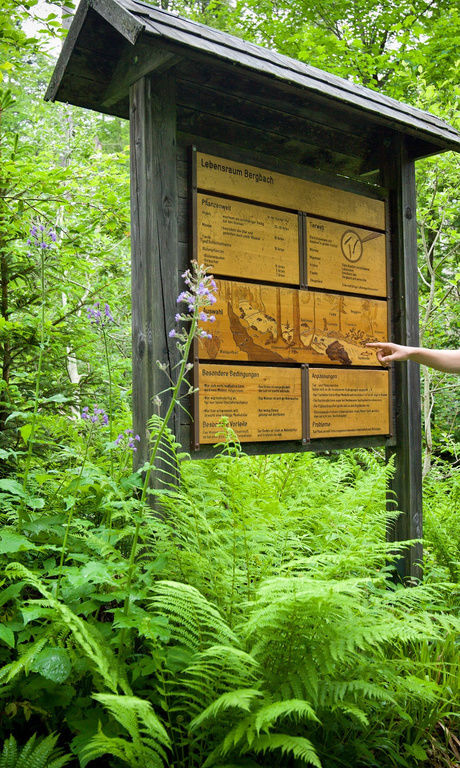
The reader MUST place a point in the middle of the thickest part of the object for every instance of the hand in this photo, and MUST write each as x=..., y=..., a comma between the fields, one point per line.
x=387, y=351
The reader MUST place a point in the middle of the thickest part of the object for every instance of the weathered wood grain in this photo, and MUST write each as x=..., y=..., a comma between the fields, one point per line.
x=154, y=246
x=406, y=486
x=137, y=61
x=119, y=18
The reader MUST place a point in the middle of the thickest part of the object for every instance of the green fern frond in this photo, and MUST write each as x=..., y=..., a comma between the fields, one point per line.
x=297, y=746
x=36, y=753
x=25, y=660
x=353, y=711
x=148, y=742
x=270, y=713
x=9, y=754
x=238, y=699
x=194, y=622
x=135, y=715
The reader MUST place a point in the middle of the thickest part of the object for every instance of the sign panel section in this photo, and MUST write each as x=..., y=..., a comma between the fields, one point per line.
x=348, y=402
x=266, y=323
x=247, y=241
x=345, y=258
x=261, y=403
x=228, y=177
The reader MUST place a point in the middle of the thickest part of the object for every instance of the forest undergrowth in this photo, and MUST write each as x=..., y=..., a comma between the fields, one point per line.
x=250, y=618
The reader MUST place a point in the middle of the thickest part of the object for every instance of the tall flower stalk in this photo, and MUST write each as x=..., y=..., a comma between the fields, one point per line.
x=199, y=298
x=101, y=319
x=94, y=420
x=41, y=240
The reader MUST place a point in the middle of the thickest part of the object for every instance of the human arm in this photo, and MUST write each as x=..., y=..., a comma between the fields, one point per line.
x=447, y=360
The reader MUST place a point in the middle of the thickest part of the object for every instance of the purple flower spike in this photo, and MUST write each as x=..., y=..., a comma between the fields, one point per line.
x=177, y=318
x=172, y=333
x=203, y=316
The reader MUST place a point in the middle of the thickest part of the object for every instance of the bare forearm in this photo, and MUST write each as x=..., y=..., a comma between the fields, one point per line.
x=447, y=360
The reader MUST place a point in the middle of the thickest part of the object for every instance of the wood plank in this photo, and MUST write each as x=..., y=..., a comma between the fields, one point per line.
x=119, y=18
x=249, y=110
x=260, y=403
x=265, y=323
x=346, y=403
x=345, y=258
x=154, y=247
x=406, y=487
x=67, y=51
x=238, y=134
x=215, y=174
x=134, y=62
x=246, y=240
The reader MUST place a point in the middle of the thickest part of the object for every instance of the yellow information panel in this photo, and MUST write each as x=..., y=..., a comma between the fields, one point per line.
x=261, y=403
x=345, y=258
x=264, y=323
x=348, y=402
x=247, y=241
x=228, y=177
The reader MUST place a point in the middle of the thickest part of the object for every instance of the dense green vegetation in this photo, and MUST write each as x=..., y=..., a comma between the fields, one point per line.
x=254, y=618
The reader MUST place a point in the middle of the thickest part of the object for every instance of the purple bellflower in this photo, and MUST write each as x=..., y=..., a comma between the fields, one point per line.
x=98, y=317
x=198, y=297
x=98, y=417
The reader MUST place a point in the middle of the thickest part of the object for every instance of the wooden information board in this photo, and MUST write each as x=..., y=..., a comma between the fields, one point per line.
x=247, y=241
x=261, y=403
x=345, y=258
x=228, y=177
x=302, y=282
x=263, y=323
x=345, y=402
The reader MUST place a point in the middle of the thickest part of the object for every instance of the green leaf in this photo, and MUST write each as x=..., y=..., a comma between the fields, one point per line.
x=59, y=398
x=26, y=431
x=11, y=486
x=415, y=750
x=10, y=541
x=178, y=658
x=7, y=635
x=54, y=664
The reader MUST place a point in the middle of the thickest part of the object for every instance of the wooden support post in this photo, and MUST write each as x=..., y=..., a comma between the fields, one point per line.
x=406, y=487
x=153, y=247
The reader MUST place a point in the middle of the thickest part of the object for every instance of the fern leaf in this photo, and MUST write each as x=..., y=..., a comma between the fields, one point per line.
x=36, y=753
x=9, y=755
x=297, y=746
x=239, y=699
x=268, y=715
x=25, y=660
x=134, y=715
x=193, y=620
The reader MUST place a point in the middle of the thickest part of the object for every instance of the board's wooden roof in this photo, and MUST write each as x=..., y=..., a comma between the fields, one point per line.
x=132, y=19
